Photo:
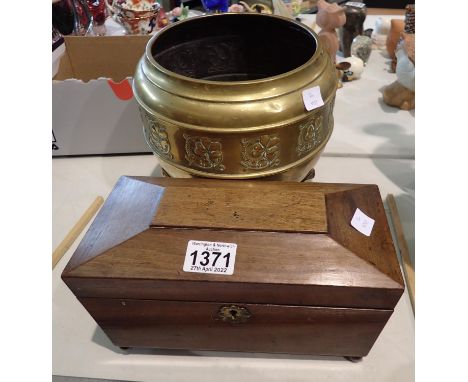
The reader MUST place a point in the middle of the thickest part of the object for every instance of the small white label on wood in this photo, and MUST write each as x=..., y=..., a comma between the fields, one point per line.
x=355, y=4
x=210, y=257
x=362, y=222
x=312, y=98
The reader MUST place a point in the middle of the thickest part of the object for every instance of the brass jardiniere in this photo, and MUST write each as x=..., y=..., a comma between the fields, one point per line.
x=221, y=97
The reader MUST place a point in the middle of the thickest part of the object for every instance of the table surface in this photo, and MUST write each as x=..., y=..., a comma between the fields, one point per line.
x=364, y=124
x=371, y=144
x=81, y=349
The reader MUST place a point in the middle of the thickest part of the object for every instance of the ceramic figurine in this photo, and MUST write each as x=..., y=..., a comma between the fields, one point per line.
x=408, y=27
x=355, y=15
x=352, y=68
x=293, y=6
x=179, y=13
x=330, y=17
x=382, y=25
x=406, y=57
x=368, y=32
x=397, y=95
x=256, y=7
x=236, y=8
x=396, y=27
x=379, y=34
x=401, y=92
x=340, y=69
x=136, y=17
x=410, y=19
x=280, y=8
x=362, y=48
x=161, y=19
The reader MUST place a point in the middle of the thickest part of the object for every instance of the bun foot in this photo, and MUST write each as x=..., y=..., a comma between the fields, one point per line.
x=353, y=359
x=310, y=175
x=165, y=175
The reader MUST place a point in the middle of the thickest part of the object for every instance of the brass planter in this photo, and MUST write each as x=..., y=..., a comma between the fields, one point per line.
x=221, y=97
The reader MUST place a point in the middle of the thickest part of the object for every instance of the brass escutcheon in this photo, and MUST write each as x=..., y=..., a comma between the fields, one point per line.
x=234, y=314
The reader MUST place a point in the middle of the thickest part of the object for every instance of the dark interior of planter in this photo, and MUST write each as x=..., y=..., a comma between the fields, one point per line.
x=233, y=47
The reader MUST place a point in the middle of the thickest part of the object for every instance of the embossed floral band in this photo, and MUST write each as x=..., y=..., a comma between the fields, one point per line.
x=221, y=96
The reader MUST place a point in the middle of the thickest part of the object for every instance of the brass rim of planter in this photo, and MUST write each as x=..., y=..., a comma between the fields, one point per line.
x=217, y=88
x=251, y=129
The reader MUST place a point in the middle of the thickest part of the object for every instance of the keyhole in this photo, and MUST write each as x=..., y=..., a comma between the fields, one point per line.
x=233, y=313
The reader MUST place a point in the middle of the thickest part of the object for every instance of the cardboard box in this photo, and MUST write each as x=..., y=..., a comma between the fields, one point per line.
x=93, y=108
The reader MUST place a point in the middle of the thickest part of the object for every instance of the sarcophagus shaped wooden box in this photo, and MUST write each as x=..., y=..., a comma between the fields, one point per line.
x=238, y=266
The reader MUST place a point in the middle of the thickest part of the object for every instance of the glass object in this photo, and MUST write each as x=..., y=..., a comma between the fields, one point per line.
x=294, y=6
x=57, y=39
x=71, y=17
x=63, y=18
x=98, y=11
x=215, y=6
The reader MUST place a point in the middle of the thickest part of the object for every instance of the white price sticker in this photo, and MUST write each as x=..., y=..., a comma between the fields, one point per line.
x=312, y=98
x=362, y=222
x=210, y=257
x=355, y=4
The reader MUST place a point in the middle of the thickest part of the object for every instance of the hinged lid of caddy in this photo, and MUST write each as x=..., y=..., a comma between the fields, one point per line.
x=237, y=242
x=295, y=244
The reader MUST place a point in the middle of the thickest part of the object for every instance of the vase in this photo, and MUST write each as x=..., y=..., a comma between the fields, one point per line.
x=354, y=26
x=362, y=48
x=214, y=6
x=393, y=37
x=218, y=99
x=379, y=34
x=72, y=17
x=410, y=19
x=138, y=19
x=396, y=27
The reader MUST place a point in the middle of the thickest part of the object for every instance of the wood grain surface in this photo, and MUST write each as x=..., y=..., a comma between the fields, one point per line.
x=270, y=328
x=242, y=209
x=127, y=211
x=262, y=257
x=218, y=291
x=274, y=266
x=267, y=187
x=378, y=248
